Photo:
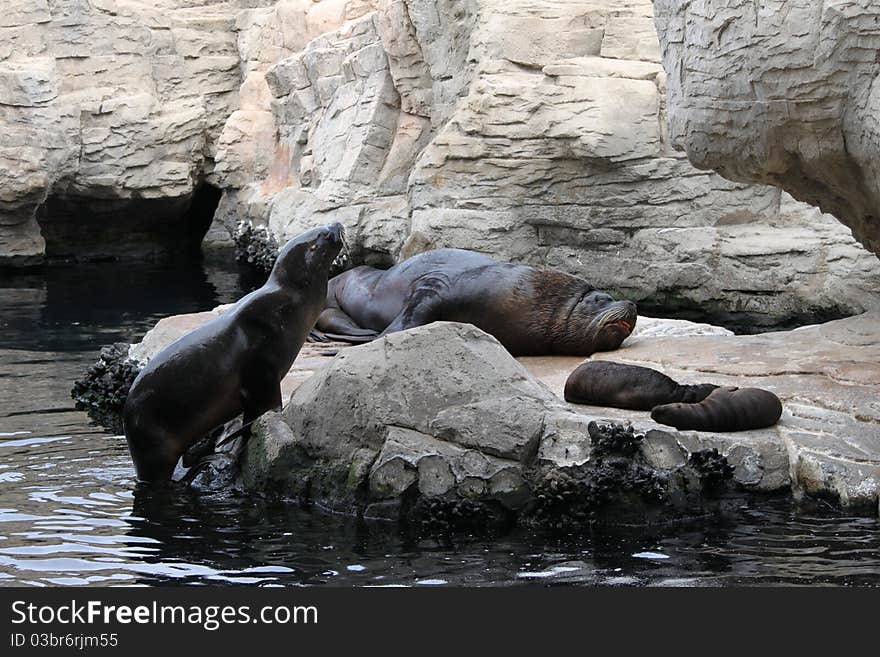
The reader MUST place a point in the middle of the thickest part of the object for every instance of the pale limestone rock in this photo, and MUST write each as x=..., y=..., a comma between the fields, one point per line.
x=782, y=93
x=28, y=85
x=112, y=100
x=533, y=132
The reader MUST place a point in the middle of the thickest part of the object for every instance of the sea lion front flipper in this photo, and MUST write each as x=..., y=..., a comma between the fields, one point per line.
x=200, y=449
x=257, y=397
x=421, y=307
x=317, y=336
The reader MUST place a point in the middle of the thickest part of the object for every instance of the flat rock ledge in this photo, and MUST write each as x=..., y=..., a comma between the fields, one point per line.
x=441, y=425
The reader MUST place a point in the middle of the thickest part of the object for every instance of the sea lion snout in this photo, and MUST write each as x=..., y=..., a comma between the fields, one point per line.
x=614, y=324
x=330, y=241
x=629, y=313
x=334, y=232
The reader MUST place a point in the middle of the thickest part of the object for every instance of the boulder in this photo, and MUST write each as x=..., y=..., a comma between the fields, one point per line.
x=439, y=407
x=417, y=423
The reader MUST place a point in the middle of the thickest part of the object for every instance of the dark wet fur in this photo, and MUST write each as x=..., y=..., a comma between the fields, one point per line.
x=725, y=409
x=700, y=407
x=231, y=365
x=605, y=383
x=530, y=311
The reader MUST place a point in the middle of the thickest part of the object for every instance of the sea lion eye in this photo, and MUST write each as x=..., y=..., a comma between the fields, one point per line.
x=313, y=247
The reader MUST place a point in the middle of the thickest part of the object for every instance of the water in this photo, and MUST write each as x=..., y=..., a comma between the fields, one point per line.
x=69, y=514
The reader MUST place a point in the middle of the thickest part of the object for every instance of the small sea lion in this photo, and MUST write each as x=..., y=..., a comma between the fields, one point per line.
x=725, y=409
x=701, y=407
x=530, y=311
x=231, y=365
x=605, y=383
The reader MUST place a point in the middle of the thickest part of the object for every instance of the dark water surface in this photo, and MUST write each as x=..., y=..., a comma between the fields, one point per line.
x=69, y=514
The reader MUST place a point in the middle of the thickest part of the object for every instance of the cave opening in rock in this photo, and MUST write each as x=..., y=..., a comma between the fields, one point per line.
x=82, y=228
x=743, y=322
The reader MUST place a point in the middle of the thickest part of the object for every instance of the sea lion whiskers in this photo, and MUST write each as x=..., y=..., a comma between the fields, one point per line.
x=613, y=315
x=344, y=253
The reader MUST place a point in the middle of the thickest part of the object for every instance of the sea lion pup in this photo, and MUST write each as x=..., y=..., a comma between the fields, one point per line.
x=530, y=311
x=232, y=364
x=725, y=409
x=605, y=383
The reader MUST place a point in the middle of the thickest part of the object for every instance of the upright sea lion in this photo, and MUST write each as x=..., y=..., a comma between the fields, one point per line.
x=604, y=383
x=530, y=311
x=233, y=364
x=725, y=409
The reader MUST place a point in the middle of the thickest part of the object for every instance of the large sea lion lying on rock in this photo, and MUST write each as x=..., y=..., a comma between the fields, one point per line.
x=231, y=365
x=530, y=311
x=702, y=407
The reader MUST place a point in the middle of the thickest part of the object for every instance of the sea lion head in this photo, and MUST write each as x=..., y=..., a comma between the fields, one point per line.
x=668, y=413
x=608, y=322
x=308, y=254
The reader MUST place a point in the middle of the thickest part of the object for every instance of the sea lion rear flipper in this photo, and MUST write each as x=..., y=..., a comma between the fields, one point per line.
x=317, y=336
x=368, y=336
x=200, y=449
x=334, y=324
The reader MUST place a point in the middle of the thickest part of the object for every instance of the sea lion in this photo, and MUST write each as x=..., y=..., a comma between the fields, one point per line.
x=701, y=407
x=232, y=364
x=530, y=311
x=605, y=383
x=725, y=409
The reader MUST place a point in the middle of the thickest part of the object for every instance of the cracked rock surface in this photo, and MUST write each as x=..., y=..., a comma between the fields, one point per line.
x=108, y=102
x=529, y=130
x=827, y=442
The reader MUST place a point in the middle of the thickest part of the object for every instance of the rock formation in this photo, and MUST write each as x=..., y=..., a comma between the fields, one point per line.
x=532, y=131
x=529, y=131
x=418, y=423
x=110, y=112
x=783, y=93
x=383, y=421
x=444, y=409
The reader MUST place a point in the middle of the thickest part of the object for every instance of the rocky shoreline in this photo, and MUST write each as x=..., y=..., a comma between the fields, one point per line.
x=535, y=132
x=441, y=425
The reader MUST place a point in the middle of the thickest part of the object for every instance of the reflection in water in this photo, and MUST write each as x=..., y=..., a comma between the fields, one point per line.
x=79, y=308
x=69, y=513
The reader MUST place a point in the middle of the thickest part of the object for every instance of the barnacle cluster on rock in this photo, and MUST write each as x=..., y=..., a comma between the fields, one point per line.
x=102, y=391
x=614, y=439
x=611, y=476
x=712, y=468
x=255, y=245
x=440, y=515
x=561, y=498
